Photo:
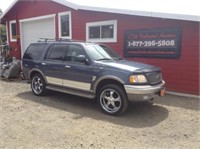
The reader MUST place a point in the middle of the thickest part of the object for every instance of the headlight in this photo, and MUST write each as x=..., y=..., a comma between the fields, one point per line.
x=137, y=79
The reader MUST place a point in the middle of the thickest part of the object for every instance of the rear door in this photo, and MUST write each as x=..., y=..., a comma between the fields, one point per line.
x=77, y=75
x=53, y=64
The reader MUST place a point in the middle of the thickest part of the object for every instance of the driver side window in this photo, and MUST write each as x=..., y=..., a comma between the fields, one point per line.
x=73, y=52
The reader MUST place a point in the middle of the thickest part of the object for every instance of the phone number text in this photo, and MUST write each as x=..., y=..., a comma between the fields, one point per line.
x=152, y=43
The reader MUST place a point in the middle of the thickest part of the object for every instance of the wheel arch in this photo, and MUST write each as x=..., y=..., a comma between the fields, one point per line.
x=35, y=71
x=107, y=80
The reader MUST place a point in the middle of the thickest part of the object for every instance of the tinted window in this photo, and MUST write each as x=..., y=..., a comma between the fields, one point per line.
x=74, y=52
x=56, y=52
x=34, y=51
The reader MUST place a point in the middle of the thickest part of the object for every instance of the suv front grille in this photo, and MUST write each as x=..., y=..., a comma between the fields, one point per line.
x=154, y=78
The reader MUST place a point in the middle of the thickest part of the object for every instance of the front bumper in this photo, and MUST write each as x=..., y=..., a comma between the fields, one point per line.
x=143, y=92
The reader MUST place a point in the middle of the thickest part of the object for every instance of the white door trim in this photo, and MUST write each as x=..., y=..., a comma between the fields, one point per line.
x=37, y=18
x=34, y=19
x=7, y=32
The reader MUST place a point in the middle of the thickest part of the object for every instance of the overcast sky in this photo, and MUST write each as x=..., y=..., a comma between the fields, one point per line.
x=190, y=7
x=5, y=4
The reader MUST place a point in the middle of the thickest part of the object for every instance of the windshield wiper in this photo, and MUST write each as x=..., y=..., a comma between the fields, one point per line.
x=101, y=59
x=118, y=58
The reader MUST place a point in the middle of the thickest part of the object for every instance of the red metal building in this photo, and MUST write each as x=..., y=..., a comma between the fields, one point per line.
x=170, y=43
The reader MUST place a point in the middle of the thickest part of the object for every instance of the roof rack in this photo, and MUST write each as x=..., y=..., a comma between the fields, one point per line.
x=53, y=39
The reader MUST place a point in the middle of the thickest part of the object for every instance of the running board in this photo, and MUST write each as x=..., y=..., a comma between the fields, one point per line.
x=71, y=91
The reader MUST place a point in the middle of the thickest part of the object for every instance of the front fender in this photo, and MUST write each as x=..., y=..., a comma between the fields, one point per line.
x=107, y=77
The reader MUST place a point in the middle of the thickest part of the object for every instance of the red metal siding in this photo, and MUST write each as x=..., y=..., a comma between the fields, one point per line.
x=30, y=9
x=181, y=75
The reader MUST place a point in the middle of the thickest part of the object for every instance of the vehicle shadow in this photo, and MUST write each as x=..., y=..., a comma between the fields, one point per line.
x=138, y=115
x=179, y=101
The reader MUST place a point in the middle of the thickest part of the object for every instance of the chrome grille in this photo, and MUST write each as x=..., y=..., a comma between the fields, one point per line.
x=154, y=78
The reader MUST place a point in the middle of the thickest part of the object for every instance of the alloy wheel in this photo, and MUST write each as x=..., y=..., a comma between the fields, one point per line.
x=110, y=100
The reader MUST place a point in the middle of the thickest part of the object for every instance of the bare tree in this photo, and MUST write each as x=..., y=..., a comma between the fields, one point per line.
x=1, y=12
x=2, y=29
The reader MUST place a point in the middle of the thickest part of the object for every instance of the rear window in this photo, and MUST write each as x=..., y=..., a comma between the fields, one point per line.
x=34, y=51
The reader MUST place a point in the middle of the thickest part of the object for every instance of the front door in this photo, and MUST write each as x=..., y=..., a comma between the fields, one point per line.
x=77, y=75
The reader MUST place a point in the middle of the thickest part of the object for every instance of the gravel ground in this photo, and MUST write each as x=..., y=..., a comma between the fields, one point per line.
x=64, y=121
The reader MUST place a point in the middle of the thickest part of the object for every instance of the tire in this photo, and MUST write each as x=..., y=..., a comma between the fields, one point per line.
x=38, y=85
x=112, y=100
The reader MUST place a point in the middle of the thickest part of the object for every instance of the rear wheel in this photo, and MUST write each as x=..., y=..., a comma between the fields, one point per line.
x=112, y=99
x=38, y=85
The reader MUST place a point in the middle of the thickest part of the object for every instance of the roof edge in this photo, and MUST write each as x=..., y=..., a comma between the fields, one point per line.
x=67, y=3
x=62, y=2
x=74, y=6
x=144, y=13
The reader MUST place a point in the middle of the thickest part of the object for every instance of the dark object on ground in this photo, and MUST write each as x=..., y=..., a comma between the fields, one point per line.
x=10, y=70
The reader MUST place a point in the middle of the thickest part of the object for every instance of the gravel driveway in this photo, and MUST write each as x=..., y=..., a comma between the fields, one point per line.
x=64, y=121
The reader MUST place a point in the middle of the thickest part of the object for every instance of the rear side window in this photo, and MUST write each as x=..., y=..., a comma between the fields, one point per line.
x=56, y=52
x=34, y=51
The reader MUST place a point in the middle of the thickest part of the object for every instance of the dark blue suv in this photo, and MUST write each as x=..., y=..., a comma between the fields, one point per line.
x=93, y=71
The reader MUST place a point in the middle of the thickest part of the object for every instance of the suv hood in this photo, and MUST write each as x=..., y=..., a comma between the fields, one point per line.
x=128, y=66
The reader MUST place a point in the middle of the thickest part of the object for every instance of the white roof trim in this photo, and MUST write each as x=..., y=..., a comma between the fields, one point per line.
x=148, y=13
x=144, y=13
x=68, y=4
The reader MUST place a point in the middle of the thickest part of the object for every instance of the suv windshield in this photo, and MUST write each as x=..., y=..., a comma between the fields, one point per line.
x=111, y=52
x=101, y=52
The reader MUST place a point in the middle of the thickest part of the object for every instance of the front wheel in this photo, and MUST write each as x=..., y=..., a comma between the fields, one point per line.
x=38, y=85
x=112, y=99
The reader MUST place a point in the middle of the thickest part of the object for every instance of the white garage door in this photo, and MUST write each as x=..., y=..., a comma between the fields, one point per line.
x=32, y=30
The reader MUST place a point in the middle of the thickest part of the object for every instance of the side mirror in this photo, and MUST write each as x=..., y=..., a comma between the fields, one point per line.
x=82, y=59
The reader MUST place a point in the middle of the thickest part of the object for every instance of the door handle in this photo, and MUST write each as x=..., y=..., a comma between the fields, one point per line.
x=43, y=63
x=68, y=67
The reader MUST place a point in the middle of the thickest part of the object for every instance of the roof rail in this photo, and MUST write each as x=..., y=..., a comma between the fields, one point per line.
x=53, y=39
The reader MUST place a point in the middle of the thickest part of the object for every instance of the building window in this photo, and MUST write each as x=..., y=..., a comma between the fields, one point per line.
x=65, y=25
x=104, y=31
x=13, y=32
